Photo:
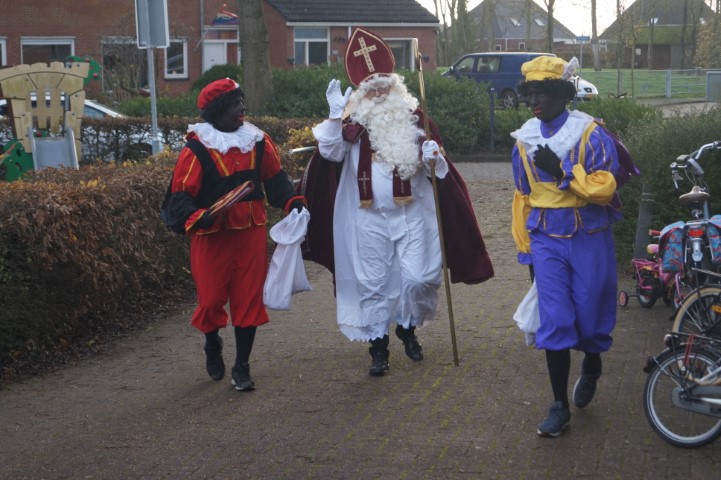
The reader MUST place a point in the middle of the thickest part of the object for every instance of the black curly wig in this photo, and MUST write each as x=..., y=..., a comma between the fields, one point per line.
x=554, y=87
x=214, y=108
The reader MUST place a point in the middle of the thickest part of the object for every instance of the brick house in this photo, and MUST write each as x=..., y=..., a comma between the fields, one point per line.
x=658, y=26
x=511, y=26
x=203, y=33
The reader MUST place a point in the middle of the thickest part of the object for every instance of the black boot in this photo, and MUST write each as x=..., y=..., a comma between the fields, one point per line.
x=241, y=378
x=379, y=353
x=408, y=337
x=214, y=364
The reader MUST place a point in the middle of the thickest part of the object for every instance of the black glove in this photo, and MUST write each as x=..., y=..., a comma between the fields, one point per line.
x=297, y=205
x=546, y=160
x=205, y=221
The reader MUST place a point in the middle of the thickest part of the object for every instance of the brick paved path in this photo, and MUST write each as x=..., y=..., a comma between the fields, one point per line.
x=147, y=410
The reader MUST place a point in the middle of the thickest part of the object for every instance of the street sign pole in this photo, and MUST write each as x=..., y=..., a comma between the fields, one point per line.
x=581, y=40
x=151, y=23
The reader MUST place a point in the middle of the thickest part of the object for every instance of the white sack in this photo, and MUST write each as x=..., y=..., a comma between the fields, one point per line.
x=527, y=316
x=286, y=274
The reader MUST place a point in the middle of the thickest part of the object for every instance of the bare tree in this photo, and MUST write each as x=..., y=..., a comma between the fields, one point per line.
x=527, y=15
x=594, y=38
x=549, y=27
x=255, y=56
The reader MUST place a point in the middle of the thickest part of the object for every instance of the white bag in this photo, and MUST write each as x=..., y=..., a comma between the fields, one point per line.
x=286, y=274
x=527, y=316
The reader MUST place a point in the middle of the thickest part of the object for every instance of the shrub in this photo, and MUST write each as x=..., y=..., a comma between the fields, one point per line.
x=78, y=244
x=217, y=72
x=655, y=146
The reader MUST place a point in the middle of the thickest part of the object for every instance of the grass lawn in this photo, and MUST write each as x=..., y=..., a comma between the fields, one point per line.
x=644, y=83
x=648, y=83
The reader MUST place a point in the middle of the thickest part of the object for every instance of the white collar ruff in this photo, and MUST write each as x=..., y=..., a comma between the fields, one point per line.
x=562, y=141
x=244, y=138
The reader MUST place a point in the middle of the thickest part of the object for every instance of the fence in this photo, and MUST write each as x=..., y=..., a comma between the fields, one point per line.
x=637, y=83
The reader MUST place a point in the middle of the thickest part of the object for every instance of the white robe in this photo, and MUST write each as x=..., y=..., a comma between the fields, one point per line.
x=387, y=257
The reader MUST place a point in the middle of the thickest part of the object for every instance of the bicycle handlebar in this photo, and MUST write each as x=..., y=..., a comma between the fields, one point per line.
x=690, y=162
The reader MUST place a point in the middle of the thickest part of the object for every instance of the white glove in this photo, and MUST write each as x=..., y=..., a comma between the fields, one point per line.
x=431, y=151
x=336, y=100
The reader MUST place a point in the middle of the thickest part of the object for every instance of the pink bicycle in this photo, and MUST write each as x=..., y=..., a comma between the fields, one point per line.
x=652, y=282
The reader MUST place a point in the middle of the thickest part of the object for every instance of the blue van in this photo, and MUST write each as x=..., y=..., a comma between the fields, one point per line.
x=501, y=69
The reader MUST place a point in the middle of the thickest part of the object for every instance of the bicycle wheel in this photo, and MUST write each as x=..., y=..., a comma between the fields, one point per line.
x=647, y=300
x=668, y=399
x=700, y=312
x=680, y=293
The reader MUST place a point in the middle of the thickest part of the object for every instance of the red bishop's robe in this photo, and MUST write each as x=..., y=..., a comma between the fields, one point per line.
x=466, y=254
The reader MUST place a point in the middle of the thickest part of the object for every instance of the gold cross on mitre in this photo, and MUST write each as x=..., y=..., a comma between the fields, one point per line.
x=367, y=54
x=365, y=51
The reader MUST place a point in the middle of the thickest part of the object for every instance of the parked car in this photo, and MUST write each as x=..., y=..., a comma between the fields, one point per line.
x=501, y=69
x=585, y=90
x=92, y=109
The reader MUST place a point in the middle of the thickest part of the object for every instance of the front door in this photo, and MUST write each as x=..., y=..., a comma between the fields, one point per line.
x=214, y=53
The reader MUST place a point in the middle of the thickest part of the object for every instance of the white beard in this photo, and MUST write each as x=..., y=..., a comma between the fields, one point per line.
x=392, y=130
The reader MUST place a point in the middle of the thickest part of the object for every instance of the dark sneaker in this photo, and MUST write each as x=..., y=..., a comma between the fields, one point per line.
x=241, y=378
x=559, y=417
x=379, y=365
x=214, y=364
x=410, y=342
x=585, y=389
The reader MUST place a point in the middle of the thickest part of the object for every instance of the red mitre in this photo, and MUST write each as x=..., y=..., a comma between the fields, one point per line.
x=367, y=54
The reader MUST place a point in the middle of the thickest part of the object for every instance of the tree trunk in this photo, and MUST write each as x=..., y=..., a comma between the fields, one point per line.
x=549, y=26
x=683, y=34
x=255, y=56
x=594, y=38
x=527, y=14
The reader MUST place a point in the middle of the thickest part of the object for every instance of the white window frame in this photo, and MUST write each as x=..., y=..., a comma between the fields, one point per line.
x=539, y=22
x=522, y=46
x=3, y=51
x=184, y=73
x=407, y=45
x=307, y=41
x=26, y=41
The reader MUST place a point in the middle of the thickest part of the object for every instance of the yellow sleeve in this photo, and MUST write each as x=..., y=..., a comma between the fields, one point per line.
x=597, y=187
x=520, y=212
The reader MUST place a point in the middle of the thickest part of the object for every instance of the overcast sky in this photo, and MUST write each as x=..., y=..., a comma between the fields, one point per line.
x=574, y=14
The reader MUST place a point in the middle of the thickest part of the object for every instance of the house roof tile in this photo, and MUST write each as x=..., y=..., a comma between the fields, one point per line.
x=510, y=20
x=364, y=12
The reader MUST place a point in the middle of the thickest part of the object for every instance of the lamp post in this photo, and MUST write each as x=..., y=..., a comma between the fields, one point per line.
x=651, y=23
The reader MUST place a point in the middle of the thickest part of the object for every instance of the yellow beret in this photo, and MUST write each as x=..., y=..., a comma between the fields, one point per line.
x=543, y=67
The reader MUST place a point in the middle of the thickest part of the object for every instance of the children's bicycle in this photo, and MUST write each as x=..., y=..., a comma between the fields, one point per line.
x=652, y=282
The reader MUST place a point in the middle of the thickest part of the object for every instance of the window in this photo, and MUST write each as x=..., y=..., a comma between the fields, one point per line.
x=3, y=52
x=514, y=22
x=403, y=53
x=176, y=59
x=522, y=46
x=465, y=65
x=497, y=48
x=539, y=22
x=311, y=46
x=46, y=49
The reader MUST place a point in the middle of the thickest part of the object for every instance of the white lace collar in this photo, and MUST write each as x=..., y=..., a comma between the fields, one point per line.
x=562, y=142
x=244, y=138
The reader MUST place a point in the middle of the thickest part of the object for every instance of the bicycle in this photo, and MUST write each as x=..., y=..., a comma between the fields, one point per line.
x=700, y=312
x=682, y=394
x=695, y=244
x=652, y=281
